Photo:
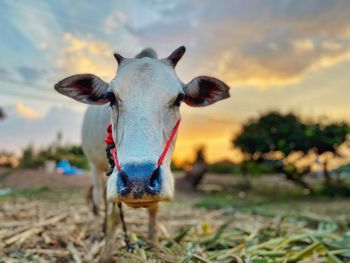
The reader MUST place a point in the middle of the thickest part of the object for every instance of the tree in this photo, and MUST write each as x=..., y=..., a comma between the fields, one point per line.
x=326, y=141
x=29, y=158
x=274, y=136
x=34, y=159
x=288, y=140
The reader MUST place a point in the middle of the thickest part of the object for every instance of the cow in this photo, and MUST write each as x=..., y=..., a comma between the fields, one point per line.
x=142, y=103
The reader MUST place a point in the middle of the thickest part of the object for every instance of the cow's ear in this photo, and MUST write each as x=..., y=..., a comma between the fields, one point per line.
x=203, y=91
x=86, y=88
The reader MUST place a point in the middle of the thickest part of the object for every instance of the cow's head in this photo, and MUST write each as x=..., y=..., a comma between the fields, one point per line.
x=144, y=98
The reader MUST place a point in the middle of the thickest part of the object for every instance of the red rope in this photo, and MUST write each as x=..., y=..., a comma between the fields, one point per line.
x=168, y=144
x=109, y=140
x=115, y=158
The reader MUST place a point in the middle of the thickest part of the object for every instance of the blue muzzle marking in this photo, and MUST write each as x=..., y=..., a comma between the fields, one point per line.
x=137, y=180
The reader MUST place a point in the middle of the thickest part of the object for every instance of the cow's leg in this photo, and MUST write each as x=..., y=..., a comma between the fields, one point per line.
x=112, y=222
x=152, y=225
x=98, y=185
x=97, y=194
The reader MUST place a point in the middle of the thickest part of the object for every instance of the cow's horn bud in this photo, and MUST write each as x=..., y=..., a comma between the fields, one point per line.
x=176, y=55
x=118, y=57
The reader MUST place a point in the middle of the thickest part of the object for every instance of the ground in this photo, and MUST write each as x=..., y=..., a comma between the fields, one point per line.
x=46, y=219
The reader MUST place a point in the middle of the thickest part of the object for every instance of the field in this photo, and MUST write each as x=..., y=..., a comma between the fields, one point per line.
x=49, y=221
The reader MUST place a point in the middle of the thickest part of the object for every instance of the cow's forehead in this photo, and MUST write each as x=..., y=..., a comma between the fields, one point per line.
x=150, y=75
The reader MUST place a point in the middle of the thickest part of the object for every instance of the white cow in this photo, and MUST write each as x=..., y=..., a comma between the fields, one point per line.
x=143, y=103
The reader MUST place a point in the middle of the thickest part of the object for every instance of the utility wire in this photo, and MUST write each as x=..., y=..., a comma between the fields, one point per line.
x=42, y=99
x=38, y=86
x=23, y=92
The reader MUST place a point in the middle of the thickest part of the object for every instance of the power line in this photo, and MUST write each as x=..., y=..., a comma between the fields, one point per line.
x=42, y=99
x=24, y=90
x=10, y=92
x=39, y=87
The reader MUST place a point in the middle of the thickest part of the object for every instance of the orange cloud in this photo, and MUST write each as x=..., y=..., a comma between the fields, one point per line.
x=262, y=48
x=87, y=56
x=26, y=112
x=279, y=69
x=303, y=46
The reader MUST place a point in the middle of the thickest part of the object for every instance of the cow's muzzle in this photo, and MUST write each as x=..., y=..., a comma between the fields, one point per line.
x=138, y=183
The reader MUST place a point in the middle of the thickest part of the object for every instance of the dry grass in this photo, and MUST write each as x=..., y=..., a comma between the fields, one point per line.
x=60, y=231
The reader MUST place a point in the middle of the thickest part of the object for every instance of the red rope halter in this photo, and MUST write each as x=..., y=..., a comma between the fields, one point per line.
x=113, y=151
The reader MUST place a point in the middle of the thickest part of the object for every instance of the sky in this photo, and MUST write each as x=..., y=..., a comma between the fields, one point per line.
x=286, y=55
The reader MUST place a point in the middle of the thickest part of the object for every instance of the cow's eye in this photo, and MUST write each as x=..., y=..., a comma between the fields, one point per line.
x=179, y=98
x=111, y=97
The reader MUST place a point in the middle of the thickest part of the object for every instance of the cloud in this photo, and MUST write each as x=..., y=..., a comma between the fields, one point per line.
x=266, y=66
x=114, y=21
x=42, y=45
x=303, y=46
x=87, y=55
x=17, y=130
x=3, y=72
x=26, y=112
x=29, y=74
x=257, y=43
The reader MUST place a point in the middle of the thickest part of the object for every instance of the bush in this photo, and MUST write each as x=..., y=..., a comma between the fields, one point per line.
x=252, y=167
x=72, y=153
x=342, y=190
x=224, y=168
x=30, y=159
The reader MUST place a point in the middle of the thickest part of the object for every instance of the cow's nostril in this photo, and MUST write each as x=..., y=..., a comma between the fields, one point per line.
x=124, y=181
x=138, y=181
x=154, y=182
x=124, y=178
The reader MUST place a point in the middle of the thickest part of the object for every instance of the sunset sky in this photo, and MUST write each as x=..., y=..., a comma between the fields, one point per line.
x=275, y=55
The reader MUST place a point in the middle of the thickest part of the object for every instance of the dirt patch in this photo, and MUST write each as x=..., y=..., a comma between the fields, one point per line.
x=24, y=179
x=29, y=178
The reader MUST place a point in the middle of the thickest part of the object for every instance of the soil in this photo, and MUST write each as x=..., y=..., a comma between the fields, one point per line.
x=27, y=178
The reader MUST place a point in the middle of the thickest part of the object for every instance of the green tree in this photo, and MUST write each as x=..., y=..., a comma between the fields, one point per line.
x=73, y=153
x=287, y=139
x=326, y=140
x=30, y=159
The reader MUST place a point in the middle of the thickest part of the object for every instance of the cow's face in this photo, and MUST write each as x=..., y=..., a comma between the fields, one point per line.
x=144, y=98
